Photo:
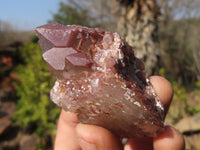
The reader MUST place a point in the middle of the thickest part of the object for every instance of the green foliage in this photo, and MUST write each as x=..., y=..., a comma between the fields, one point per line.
x=34, y=39
x=182, y=101
x=194, y=109
x=197, y=84
x=162, y=71
x=180, y=49
x=195, y=96
x=180, y=94
x=68, y=14
x=34, y=105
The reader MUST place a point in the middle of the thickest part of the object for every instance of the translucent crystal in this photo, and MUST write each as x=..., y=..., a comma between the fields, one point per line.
x=100, y=79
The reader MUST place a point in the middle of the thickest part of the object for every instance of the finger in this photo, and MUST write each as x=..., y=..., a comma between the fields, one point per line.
x=97, y=138
x=66, y=136
x=164, y=91
x=169, y=139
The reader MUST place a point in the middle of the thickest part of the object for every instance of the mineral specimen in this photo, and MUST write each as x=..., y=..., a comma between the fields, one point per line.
x=100, y=79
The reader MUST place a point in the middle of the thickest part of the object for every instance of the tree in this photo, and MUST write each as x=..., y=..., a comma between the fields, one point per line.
x=69, y=14
x=91, y=13
x=138, y=24
x=180, y=40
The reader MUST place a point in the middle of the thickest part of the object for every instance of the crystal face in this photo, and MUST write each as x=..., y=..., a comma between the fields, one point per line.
x=100, y=79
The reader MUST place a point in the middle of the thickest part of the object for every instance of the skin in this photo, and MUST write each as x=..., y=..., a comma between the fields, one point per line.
x=72, y=135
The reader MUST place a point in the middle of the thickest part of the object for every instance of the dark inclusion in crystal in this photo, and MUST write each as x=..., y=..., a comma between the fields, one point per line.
x=100, y=79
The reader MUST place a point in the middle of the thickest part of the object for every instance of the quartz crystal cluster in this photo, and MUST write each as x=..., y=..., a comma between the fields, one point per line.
x=100, y=79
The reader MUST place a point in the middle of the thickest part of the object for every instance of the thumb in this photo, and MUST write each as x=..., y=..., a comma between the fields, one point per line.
x=93, y=137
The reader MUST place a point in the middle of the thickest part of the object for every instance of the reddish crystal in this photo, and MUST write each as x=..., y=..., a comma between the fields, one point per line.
x=78, y=59
x=100, y=79
x=52, y=55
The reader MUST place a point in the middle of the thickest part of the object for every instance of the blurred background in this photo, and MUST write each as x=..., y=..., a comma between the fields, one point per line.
x=165, y=34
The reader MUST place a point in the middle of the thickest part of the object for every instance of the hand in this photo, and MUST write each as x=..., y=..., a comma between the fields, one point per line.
x=72, y=135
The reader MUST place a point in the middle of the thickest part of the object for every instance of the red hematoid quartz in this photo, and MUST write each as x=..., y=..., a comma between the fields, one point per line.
x=100, y=79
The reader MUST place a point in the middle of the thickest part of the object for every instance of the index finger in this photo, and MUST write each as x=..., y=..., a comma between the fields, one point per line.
x=66, y=134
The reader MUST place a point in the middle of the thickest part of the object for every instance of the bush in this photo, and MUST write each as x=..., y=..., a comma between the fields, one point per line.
x=186, y=100
x=34, y=105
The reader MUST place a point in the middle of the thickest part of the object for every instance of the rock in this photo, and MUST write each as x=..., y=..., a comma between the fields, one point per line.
x=189, y=124
x=192, y=141
x=100, y=79
x=28, y=142
x=5, y=122
x=8, y=107
x=190, y=127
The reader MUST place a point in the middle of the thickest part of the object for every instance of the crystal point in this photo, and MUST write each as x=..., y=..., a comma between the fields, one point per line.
x=56, y=57
x=100, y=79
x=78, y=59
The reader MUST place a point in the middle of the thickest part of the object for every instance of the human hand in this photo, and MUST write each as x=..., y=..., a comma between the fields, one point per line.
x=72, y=135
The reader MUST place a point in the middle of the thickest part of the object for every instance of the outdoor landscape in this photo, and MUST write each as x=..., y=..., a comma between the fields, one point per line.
x=164, y=34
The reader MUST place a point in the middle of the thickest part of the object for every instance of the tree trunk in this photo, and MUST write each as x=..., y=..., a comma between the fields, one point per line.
x=138, y=24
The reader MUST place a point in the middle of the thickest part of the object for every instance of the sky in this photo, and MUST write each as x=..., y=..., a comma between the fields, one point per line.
x=28, y=14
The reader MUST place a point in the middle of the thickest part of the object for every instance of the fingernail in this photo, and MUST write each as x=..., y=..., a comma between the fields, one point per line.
x=87, y=146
